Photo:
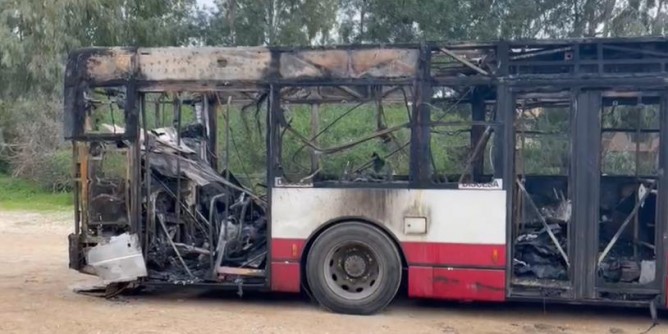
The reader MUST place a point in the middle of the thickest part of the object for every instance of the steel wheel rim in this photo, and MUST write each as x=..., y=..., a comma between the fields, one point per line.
x=352, y=270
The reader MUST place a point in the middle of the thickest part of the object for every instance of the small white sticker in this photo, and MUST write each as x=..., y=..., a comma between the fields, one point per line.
x=496, y=184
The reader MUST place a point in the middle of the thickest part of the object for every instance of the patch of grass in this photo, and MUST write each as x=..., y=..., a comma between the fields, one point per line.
x=17, y=194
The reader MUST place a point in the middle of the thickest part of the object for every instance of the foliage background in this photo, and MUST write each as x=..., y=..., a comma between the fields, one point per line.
x=36, y=35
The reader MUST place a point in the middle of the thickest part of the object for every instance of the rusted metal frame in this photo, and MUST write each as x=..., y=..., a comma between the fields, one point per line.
x=273, y=144
x=74, y=108
x=584, y=190
x=590, y=62
x=84, y=197
x=145, y=223
x=636, y=222
x=171, y=242
x=478, y=113
x=476, y=155
x=577, y=58
x=381, y=118
x=222, y=243
x=278, y=50
x=420, y=158
x=635, y=50
x=602, y=81
x=402, y=81
x=631, y=130
x=450, y=108
x=105, y=137
x=504, y=151
x=464, y=81
x=545, y=224
x=407, y=105
x=177, y=126
x=76, y=173
x=464, y=61
x=599, y=58
x=545, y=133
x=504, y=165
x=586, y=40
x=396, y=184
x=657, y=285
x=628, y=288
x=350, y=92
x=544, y=52
x=335, y=149
x=471, y=123
x=661, y=230
x=132, y=126
x=315, y=124
x=621, y=229
x=208, y=86
x=198, y=86
x=314, y=137
x=320, y=132
x=503, y=146
x=157, y=106
x=210, y=106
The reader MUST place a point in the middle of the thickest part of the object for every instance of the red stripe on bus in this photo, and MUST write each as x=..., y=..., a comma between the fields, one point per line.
x=455, y=255
x=425, y=278
x=285, y=276
x=287, y=249
x=417, y=253
x=457, y=284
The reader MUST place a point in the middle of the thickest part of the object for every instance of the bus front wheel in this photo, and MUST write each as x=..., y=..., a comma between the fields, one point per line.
x=353, y=268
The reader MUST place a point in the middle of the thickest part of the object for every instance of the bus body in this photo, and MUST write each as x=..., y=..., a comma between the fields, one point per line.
x=527, y=170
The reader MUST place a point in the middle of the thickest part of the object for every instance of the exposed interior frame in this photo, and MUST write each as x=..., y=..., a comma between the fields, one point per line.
x=478, y=74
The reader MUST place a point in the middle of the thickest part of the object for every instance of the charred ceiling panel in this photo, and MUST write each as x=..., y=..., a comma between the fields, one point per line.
x=349, y=64
x=206, y=64
x=111, y=65
x=248, y=64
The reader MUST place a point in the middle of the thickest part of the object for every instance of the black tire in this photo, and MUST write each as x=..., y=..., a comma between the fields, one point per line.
x=340, y=244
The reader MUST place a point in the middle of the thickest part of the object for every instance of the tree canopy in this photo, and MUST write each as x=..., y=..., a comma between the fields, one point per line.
x=35, y=35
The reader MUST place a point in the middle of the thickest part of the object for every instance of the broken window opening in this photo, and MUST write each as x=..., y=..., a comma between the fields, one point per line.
x=542, y=202
x=365, y=142
x=242, y=141
x=199, y=221
x=108, y=181
x=461, y=146
x=628, y=191
x=105, y=110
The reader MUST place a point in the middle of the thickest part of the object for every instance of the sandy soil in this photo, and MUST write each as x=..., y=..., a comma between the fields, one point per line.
x=36, y=297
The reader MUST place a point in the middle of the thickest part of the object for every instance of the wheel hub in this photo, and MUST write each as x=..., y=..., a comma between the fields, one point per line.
x=354, y=266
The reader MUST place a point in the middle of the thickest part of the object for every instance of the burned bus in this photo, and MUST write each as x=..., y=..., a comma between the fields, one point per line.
x=491, y=172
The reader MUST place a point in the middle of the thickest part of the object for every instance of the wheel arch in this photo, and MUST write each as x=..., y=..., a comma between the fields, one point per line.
x=337, y=221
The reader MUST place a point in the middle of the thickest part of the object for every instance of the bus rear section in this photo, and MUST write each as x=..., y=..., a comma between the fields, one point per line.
x=469, y=172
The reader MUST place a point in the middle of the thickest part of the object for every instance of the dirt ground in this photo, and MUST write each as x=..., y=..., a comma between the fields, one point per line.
x=36, y=297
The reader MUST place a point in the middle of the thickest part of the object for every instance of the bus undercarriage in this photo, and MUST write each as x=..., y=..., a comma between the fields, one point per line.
x=227, y=165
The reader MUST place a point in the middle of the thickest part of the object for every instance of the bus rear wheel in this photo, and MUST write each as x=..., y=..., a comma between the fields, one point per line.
x=353, y=268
